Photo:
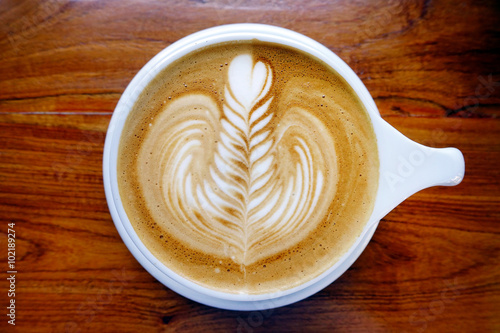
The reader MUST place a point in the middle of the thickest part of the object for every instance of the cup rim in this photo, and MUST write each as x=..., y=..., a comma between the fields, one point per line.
x=216, y=35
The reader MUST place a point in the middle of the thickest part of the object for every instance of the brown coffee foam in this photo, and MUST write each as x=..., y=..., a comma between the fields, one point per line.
x=300, y=82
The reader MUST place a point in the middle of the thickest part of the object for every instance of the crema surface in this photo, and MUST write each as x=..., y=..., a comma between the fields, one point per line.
x=248, y=167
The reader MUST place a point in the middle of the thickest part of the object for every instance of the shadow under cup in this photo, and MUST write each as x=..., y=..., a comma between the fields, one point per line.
x=424, y=167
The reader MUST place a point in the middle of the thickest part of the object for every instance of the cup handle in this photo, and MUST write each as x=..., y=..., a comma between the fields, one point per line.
x=407, y=167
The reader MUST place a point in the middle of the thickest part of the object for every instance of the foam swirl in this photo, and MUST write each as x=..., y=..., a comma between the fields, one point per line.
x=245, y=180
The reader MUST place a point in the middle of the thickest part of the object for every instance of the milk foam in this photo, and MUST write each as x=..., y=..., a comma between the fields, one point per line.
x=245, y=207
x=248, y=167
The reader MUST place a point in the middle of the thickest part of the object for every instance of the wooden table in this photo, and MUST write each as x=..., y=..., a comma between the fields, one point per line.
x=433, y=68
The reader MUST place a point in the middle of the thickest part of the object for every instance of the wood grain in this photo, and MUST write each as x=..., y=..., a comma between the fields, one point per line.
x=433, y=69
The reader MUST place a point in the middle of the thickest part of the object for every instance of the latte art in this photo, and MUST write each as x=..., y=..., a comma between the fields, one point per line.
x=219, y=173
x=248, y=167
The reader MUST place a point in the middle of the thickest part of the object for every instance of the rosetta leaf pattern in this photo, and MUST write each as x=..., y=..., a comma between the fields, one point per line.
x=242, y=204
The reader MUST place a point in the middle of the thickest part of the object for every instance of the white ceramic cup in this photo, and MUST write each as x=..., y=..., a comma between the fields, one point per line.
x=405, y=166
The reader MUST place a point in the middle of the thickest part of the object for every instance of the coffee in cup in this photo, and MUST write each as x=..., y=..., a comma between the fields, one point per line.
x=248, y=167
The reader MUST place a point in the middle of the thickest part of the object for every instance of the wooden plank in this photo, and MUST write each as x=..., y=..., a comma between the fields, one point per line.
x=429, y=263
x=416, y=58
